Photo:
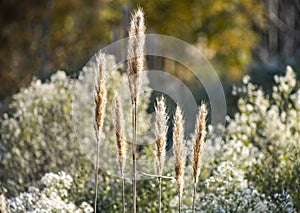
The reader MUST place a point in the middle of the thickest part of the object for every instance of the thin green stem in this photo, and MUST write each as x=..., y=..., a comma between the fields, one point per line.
x=96, y=175
x=194, y=197
x=159, y=181
x=123, y=191
x=134, y=109
x=179, y=202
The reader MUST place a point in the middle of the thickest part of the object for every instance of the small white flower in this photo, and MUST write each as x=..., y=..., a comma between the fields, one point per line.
x=246, y=79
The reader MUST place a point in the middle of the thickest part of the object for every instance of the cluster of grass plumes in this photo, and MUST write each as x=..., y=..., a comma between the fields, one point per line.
x=135, y=67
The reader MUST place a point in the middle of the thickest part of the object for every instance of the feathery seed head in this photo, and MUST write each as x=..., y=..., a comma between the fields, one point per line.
x=180, y=149
x=120, y=136
x=136, y=52
x=100, y=92
x=200, y=134
x=161, y=128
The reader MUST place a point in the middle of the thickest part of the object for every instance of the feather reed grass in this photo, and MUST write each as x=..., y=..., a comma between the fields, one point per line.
x=180, y=151
x=200, y=134
x=121, y=142
x=136, y=52
x=100, y=101
x=161, y=128
x=135, y=67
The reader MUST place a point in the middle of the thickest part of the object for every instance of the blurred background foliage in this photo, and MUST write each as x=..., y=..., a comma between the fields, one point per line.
x=39, y=37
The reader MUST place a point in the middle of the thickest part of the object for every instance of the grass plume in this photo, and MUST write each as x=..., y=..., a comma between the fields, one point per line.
x=161, y=128
x=180, y=151
x=135, y=67
x=121, y=142
x=136, y=52
x=200, y=134
x=100, y=101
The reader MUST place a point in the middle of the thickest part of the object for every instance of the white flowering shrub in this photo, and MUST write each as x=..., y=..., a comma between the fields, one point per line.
x=37, y=136
x=2, y=203
x=227, y=190
x=53, y=197
x=282, y=202
x=263, y=138
x=256, y=169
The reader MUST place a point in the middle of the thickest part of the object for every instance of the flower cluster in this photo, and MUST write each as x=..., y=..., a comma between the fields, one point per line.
x=38, y=136
x=263, y=138
x=227, y=190
x=53, y=197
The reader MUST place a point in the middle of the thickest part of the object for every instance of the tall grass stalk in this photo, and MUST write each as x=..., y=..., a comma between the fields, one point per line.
x=135, y=67
x=121, y=142
x=161, y=128
x=100, y=101
x=200, y=134
x=180, y=151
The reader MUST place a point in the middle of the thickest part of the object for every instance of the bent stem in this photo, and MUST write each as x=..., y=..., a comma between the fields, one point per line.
x=134, y=109
x=155, y=176
x=194, y=197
